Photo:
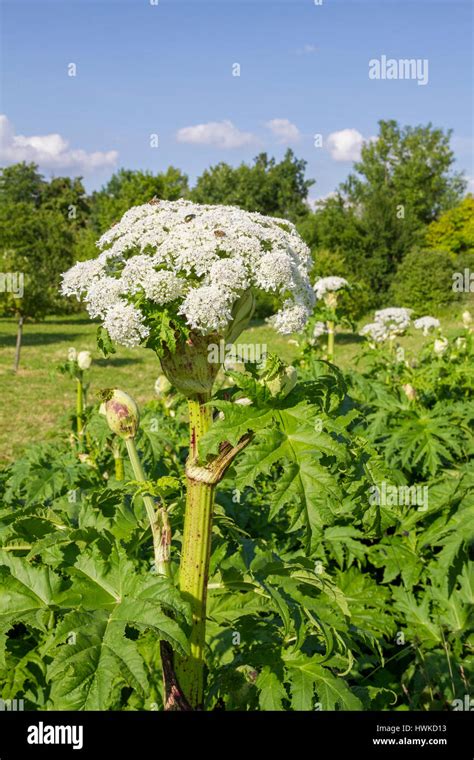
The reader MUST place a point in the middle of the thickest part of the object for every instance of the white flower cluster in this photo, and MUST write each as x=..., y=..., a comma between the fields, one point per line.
x=375, y=331
x=202, y=258
x=388, y=323
x=426, y=324
x=329, y=285
x=320, y=328
x=396, y=320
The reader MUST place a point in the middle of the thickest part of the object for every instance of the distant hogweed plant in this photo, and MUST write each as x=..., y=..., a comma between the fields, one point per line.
x=327, y=289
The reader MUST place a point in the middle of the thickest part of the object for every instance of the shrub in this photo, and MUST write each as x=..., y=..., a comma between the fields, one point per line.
x=424, y=280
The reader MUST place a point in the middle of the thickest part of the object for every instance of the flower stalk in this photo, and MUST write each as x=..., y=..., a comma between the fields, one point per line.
x=195, y=555
x=79, y=407
x=330, y=349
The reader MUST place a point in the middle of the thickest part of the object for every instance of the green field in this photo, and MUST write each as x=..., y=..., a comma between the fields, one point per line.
x=36, y=401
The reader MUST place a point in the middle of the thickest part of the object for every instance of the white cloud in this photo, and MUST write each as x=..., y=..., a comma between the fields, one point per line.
x=307, y=50
x=284, y=130
x=345, y=145
x=48, y=151
x=221, y=134
x=315, y=202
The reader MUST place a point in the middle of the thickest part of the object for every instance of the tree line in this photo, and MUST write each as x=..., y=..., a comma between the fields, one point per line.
x=400, y=214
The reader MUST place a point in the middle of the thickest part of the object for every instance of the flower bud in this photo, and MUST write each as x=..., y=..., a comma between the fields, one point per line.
x=466, y=318
x=162, y=385
x=71, y=354
x=84, y=359
x=440, y=346
x=121, y=412
x=283, y=383
x=242, y=313
x=410, y=391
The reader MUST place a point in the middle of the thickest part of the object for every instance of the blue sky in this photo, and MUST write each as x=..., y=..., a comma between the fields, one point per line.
x=166, y=69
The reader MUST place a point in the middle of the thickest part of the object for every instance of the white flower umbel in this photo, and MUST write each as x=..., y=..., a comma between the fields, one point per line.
x=329, y=285
x=376, y=332
x=124, y=323
x=427, y=324
x=395, y=320
x=320, y=328
x=196, y=260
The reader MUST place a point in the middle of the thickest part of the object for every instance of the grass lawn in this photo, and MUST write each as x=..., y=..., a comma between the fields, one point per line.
x=36, y=401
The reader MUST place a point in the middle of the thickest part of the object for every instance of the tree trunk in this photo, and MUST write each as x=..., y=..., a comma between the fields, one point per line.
x=19, y=335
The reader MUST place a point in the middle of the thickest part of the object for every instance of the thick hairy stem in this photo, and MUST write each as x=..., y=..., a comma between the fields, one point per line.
x=195, y=554
x=330, y=341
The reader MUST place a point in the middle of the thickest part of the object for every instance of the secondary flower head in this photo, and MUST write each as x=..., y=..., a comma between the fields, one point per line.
x=395, y=320
x=376, y=332
x=426, y=324
x=320, y=328
x=196, y=263
x=329, y=285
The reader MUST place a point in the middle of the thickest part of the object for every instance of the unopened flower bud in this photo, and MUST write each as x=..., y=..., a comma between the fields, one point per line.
x=466, y=318
x=162, y=385
x=84, y=359
x=410, y=391
x=121, y=412
x=283, y=383
x=440, y=346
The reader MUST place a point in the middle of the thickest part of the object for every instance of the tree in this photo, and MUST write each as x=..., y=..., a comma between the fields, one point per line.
x=273, y=189
x=37, y=239
x=454, y=230
x=412, y=166
x=402, y=183
x=128, y=188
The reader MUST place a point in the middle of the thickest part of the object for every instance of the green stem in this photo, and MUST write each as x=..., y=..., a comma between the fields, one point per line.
x=158, y=522
x=195, y=556
x=118, y=461
x=79, y=407
x=330, y=341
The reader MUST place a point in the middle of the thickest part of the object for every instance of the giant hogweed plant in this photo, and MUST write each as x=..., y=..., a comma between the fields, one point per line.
x=181, y=278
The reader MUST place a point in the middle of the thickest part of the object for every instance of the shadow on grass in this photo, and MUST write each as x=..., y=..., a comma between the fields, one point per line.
x=39, y=339
x=117, y=362
x=346, y=338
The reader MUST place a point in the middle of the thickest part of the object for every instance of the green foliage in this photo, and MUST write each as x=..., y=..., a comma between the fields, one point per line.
x=402, y=183
x=320, y=597
x=38, y=224
x=454, y=230
x=128, y=188
x=424, y=281
x=274, y=189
